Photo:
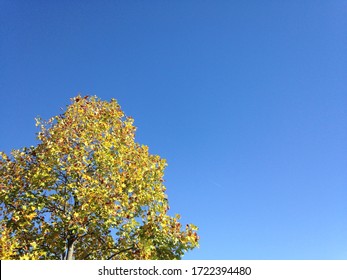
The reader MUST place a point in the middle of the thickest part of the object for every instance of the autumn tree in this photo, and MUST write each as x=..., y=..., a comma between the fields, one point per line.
x=88, y=191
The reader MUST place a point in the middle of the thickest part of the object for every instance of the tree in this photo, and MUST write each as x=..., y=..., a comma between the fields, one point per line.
x=88, y=191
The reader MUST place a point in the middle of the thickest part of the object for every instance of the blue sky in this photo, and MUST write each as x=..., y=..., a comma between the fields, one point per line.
x=245, y=99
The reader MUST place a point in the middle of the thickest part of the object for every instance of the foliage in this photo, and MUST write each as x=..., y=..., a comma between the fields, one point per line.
x=88, y=191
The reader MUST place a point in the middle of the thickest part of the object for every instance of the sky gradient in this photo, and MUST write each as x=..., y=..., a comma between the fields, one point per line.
x=246, y=100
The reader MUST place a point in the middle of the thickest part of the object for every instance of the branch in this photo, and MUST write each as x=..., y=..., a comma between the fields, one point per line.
x=119, y=252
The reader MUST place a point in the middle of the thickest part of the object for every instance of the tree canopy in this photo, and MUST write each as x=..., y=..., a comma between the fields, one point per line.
x=88, y=191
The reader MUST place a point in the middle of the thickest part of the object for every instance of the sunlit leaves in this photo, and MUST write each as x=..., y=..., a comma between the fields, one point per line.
x=89, y=189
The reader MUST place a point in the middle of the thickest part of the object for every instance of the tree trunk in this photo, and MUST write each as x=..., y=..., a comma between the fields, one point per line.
x=70, y=249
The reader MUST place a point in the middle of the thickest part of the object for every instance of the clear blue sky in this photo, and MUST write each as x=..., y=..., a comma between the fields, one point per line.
x=245, y=99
